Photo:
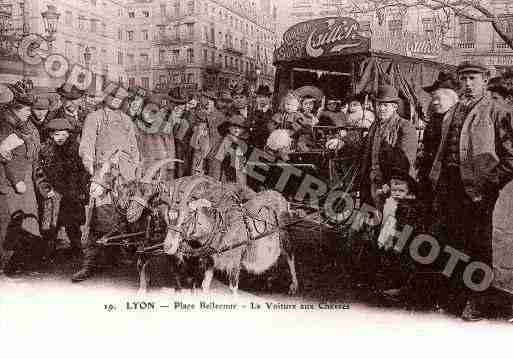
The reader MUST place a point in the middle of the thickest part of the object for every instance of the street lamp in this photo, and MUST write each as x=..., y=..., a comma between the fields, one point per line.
x=87, y=56
x=50, y=19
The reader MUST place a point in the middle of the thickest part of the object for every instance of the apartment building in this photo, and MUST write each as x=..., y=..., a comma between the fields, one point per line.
x=200, y=43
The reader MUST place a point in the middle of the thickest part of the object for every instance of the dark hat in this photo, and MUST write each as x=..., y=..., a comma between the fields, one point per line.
x=209, y=94
x=496, y=84
x=387, y=93
x=239, y=89
x=20, y=90
x=234, y=120
x=158, y=99
x=175, y=96
x=59, y=124
x=70, y=92
x=41, y=103
x=225, y=96
x=445, y=80
x=263, y=90
x=473, y=66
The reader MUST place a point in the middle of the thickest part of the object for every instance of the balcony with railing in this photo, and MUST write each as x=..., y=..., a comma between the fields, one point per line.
x=172, y=64
x=231, y=49
x=142, y=66
x=467, y=45
x=173, y=40
x=212, y=66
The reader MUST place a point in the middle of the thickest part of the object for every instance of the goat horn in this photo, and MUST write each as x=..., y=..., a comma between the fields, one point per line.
x=150, y=172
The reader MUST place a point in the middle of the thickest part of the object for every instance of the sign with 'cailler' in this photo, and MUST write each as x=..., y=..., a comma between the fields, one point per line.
x=322, y=38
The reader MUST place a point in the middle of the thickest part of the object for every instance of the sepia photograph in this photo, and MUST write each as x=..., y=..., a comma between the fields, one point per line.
x=213, y=172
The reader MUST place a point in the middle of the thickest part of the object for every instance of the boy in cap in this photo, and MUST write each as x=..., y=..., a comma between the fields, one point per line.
x=62, y=184
x=40, y=116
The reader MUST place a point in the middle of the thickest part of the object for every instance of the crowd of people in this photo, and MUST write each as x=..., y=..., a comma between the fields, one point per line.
x=52, y=150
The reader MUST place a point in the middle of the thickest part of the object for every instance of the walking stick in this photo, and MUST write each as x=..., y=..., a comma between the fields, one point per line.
x=89, y=215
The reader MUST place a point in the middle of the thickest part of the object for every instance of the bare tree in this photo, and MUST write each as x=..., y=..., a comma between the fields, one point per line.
x=475, y=10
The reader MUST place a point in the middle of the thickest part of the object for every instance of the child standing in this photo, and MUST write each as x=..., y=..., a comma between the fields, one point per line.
x=62, y=182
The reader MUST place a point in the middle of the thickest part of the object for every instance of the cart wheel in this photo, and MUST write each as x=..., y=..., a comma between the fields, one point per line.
x=339, y=211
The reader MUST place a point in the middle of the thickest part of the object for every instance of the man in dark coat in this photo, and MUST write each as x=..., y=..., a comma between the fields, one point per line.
x=474, y=161
x=389, y=134
x=261, y=117
x=443, y=96
x=62, y=184
x=72, y=107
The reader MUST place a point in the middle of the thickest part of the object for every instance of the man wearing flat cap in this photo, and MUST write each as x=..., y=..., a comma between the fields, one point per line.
x=106, y=132
x=62, y=185
x=473, y=162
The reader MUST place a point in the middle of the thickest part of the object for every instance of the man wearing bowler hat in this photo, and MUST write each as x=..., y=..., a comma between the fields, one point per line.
x=388, y=135
x=473, y=162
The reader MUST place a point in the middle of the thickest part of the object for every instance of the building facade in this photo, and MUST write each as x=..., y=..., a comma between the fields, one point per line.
x=84, y=26
x=156, y=44
x=200, y=44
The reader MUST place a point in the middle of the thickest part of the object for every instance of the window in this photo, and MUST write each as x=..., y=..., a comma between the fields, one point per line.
x=67, y=49
x=190, y=78
x=212, y=57
x=80, y=53
x=162, y=56
x=467, y=32
x=190, y=30
x=395, y=26
x=190, y=7
x=145, y=82
x=68, y=18
x=93, y=25
x=226, y=61
x=162, y=79
x=175, y=55
x=130, y=59
x=205, y=55
x=364, y=26
x=120, y=58
x=131, y=82
x=131, y=14
x=162, y=9
x=130, y=35
x=120, y=34
x=177, y=8
x=93, y=2
x=145, y=59
x=427, y=25
x=146, y=13
x=81, y=21
x=205, y=33
x=145, y=35
x=104, y=29
x=190, y=56
x=212, y=35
